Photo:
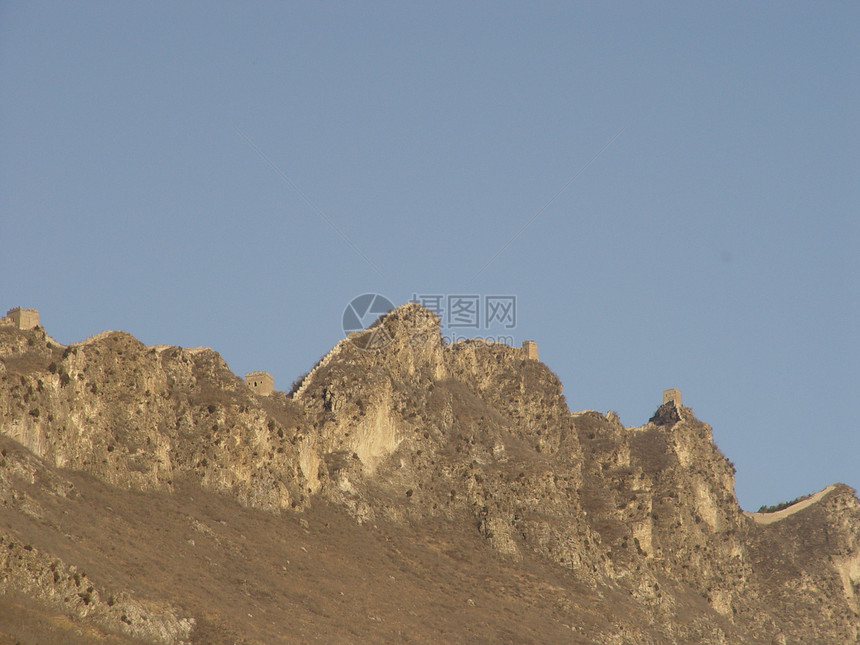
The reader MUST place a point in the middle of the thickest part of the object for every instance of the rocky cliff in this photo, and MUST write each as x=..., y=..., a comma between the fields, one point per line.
x=565, y=525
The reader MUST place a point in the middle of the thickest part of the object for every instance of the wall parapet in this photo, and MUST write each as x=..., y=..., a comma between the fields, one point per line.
x=672, y=395
x=531, y=350
x=22, y=318
x=325, y=360
x=260, y=383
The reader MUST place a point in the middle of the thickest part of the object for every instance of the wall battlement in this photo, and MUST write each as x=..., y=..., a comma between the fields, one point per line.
x=672, y=395
x=325, y=360
x=260, y=383
x=22, y=318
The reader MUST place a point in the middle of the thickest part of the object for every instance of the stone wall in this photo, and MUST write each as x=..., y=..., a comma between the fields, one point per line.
x=672, y=395
x=23, y=318
x=325, y=360
x=530, y=349
x=260, y=383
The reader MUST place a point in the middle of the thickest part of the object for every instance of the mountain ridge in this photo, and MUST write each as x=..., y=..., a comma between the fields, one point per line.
x=414, y=433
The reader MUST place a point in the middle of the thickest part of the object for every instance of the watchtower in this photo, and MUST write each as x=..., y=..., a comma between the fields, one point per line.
x=260, y=383
x=672, y=395
x=530, y=349
x=23, y=318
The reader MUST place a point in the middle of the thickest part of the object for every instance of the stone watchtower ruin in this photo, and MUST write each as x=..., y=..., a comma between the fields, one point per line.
x=672, y=395
x=530, y=349
x=260, y=383
x=23, y=318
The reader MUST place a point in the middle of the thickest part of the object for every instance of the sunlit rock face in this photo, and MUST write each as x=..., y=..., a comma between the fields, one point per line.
x=395, y=426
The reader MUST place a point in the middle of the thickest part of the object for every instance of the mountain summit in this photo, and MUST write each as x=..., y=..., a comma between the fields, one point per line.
x=407, y=490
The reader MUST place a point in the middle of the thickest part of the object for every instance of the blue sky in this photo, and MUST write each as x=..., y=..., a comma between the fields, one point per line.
x=232, y=175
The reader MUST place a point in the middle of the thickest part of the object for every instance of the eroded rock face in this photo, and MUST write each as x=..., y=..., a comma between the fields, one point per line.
x=138, y=417
x=395, y=425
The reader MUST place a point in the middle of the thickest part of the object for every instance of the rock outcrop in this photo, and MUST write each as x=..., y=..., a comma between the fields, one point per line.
x=394, y=426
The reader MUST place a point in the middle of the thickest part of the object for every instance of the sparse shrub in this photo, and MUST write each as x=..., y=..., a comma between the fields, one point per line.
x=52, y=368
x=781, y=505
x=35, y=413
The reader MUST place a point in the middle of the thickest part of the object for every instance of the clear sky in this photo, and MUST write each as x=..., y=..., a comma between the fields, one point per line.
x=233, y=174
